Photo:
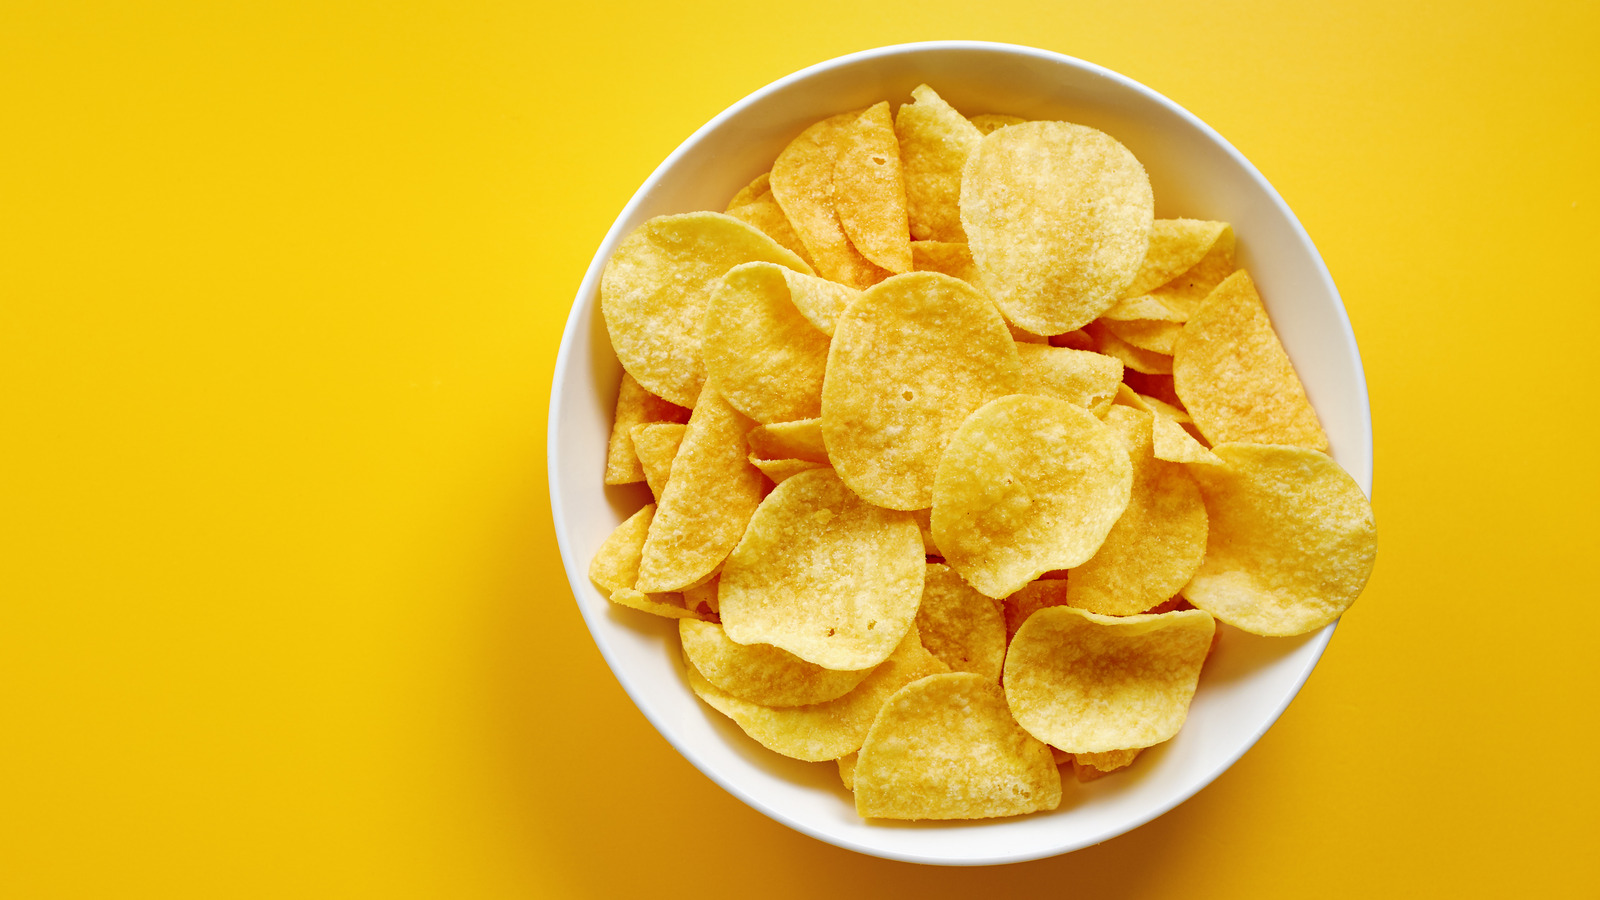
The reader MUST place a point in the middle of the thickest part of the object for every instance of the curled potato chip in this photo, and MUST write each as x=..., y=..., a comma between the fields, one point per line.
x=635, y=406
x=1058, y=218
x=824, y=575
x=1088, y=767
x=760, y=186
x=869, y=193
x=1145, y=361
x=1185, y=293
x=656, y=444
x=656, y=286
x=667, y=605
x=1089, y=684
x=616, y=564
x=947, y=747
x=1157, y=544
x=803, y=184
x=818, y=299
x=847, y=770
x=1292, y=539
x=760, y=673
x=910, y=359
x=1146, y=334
x=1028, y=484
x=760, y=352
x=935, y=142
x=1080, y=377
x=1176, y=246
x=829, y=730
x=965, y=629
x=800, y=439
x=781, y=470
x=767, y=216
x=710, y=495
x=1029, y=599
x=1234, y=376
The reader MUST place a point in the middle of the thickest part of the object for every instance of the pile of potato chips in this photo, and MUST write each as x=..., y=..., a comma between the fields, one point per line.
x=958, y=455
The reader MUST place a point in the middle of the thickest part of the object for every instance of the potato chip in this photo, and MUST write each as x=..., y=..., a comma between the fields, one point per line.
x=924, y=519
x=1030, y=598
x=818, y=299
x=1176, y=246
x=1157, y=544
x=1138, y=360
x=1089, y=684
x=1146, y=334
x=635, y=406
x=667, y=605
x=1074, y=340
x=1127, y=396
x=1292, y=539
x=824, y=575
x=767, y=216
x=935, y=142
x=824, y=731
x=965, y=629
x=800, y=439
x=1147, y=307
x=616, y=564
x=868, y=191
x=760, y=352
x=1080, y=377
x=760, y=186
x=1058, y=218
x=1185, y=293
x=910, y=359
x=1234, y=376
x=780, y=470
x=1088, y=767
x=656, y=287
x=1027, y=484
x=702, y=598
x=803, y=185
x=709, y=497
x=947, y=747
x=847, y=770
x=945, y=257
x=988, y=122
x=760, y=673
x=656, y=444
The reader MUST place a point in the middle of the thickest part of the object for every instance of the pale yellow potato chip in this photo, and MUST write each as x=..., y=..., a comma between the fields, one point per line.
x=945, y=257
x=709, y=497
x=760, y=673
x=765, y=214
x=910, y=359
x=935, y=142
x=847, y=770
x=656, y=287
x=760, y=186
x=1176, y=246
x=962, y=627
x=1174, y=444
x=1028, y=484
x=1030, y=598
x=1146, y=307
x=1157, y=544
x=702, y=598
x=1185, y=293
x=800, y=439
x=781, y=470
x=1292, y=541
x=1132, y=357
x=1088, y=767
x=1058, y=219
x=803, y=184
x=1089, y=684
x=760, y=352
x=1146, y=334
x=829, y=730
x=635, y=406
x=868, y=191
x=987, y=122
x=947, y=747
x=824, y=575
x=1234, y=376
x=667, y=605
x=616, y=563
x=1080, y=377
x=819, y=300
x=656, y=444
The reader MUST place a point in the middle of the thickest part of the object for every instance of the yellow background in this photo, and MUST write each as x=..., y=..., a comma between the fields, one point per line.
x=281, y=286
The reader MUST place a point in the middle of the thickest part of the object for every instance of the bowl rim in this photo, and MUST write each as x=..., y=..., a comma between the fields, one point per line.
x=577, y=326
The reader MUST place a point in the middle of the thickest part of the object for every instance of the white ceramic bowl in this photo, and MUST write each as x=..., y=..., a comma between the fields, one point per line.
x=1195, y=173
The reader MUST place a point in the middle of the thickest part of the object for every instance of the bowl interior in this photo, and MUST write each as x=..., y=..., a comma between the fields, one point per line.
x=1195, y=173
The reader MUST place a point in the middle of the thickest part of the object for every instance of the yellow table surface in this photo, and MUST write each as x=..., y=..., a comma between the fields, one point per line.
x=281, y=285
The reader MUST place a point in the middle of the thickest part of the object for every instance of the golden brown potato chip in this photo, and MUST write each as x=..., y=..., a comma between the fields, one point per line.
x=1028, y=484
x=781, y=470
x=657, y=284
x=988, y=122
x=962, y=627
x=910, y=359
x=1080, y=377
x=1032, y=597
x=824, y=731
x=1074, y=340
x=869, y=193
x=800, y=439
x=1176, y=246
x=824, y=575
x=635, y=406
x=1058, y=218
x=944, y=257
x=1146, y=334
x=947, y=747
x=1157, y=544
x=1088, y=683
x=935, y=141
x=656, y=444
x=760, y=352
x=1234, y=376
x=760, y=673
x=1132, y=357
x=1292, y=539
x=803, y=184
x=765, y=214
x=710, y=495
